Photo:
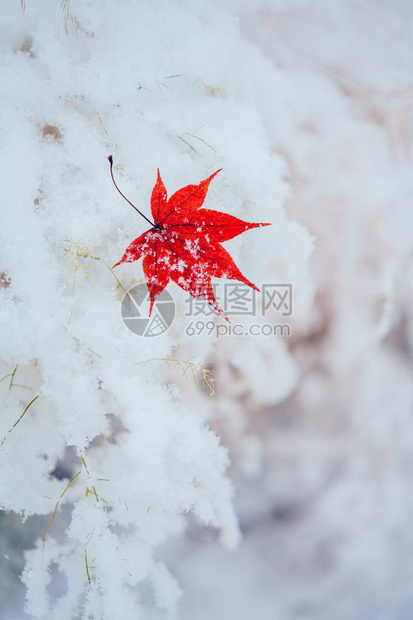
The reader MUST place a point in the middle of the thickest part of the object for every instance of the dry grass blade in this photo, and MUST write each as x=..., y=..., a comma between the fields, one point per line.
x=75, y=252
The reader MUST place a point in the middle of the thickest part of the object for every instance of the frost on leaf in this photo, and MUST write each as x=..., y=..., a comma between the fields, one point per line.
x=184, y=243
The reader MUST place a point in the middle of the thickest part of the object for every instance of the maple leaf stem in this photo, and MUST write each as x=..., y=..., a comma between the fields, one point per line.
x=110, y=158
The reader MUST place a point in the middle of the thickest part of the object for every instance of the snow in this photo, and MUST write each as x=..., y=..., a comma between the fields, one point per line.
x=287, y=494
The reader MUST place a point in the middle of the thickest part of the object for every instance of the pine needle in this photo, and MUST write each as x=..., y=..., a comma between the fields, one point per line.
x=193, y=135
x=87, y=568
x=101, y=122
x=49, y=526
x=69, y=18
x=16, y=423
x=188, y=144
x=208, y=375
x=12, y=376
x=112, y=272
x=70, y=483
x=56, y=507
x=12, y=384
x=75, y=254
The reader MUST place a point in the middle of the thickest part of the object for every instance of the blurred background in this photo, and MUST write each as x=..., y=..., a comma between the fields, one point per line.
x=324, y=475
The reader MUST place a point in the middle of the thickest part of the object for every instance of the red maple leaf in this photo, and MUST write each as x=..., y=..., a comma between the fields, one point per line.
x=184, y=242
